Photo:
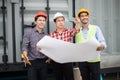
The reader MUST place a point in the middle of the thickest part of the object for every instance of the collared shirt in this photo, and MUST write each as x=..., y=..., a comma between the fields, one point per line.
x=65, y=35
x=99, y=35
x=30, y=39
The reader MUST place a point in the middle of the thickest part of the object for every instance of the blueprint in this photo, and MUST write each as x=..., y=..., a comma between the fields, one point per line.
x=65, y=52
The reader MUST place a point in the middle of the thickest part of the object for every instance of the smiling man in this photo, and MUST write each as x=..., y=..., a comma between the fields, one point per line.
x=38, y=68
x=90, y=70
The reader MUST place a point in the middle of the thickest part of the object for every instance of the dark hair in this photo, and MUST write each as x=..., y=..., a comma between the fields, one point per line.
x=56, y=18
x=33, y=25
x=82, y=12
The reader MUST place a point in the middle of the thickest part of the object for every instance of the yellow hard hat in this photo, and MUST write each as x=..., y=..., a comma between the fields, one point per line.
x=83, y=11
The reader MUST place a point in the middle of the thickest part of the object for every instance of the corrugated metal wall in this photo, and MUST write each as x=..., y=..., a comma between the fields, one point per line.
x=104, y=13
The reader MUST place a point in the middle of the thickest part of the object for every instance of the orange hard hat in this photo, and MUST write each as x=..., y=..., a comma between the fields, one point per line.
x=83, y=11
x=41, y=13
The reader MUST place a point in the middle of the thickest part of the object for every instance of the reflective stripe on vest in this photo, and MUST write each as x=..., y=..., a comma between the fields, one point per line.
x=91, y=33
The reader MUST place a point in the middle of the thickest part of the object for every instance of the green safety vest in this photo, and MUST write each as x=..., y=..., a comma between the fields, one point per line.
x=91, y=33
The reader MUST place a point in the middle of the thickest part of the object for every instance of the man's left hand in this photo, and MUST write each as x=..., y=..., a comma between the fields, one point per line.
x=100, y=48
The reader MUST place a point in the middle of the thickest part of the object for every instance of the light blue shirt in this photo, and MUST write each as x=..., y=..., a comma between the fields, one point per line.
x=99, y=36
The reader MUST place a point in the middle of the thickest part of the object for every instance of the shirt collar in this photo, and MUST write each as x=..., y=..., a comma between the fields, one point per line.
x=62, y=31
x=87, y=28
x=37, y=30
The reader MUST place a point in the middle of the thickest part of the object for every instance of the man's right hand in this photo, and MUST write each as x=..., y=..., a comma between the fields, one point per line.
x=25, y=58
x=38, y=48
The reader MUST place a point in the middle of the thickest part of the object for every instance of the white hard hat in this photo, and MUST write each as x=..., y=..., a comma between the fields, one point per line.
x=58, y=14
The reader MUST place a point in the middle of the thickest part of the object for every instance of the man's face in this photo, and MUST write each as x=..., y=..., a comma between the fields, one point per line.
x=40, y=22
x=84, y=18
x=60, y=22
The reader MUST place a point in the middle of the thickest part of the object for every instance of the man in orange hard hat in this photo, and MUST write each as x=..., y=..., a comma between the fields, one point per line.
x=90, y=70
x=36, y=61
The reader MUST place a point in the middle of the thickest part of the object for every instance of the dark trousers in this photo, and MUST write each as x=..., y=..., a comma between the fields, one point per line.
x=63, y=71
x=38, y=70
x=90, y=71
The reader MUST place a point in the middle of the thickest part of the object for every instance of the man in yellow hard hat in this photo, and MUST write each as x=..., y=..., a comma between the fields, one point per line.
x=37, y=67
x=90, y=70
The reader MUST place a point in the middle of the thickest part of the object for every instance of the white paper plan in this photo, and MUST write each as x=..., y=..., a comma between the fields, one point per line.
x=64, y=52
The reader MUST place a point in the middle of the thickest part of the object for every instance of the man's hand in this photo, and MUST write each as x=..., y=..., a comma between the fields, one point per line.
x=38, y=48
x=48, y=60
x=100, y=48
x=77, y=24
x=25, y=58
x=77, y=20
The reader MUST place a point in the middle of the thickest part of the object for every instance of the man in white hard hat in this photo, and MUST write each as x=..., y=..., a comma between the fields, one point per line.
x=64, y=71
